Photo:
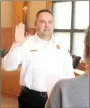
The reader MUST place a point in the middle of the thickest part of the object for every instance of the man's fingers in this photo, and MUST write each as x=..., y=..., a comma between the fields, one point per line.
x=20, y=28
x=16, y=29
x=21, y=25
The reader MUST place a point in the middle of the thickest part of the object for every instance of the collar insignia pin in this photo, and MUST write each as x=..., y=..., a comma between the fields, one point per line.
x=57, y=46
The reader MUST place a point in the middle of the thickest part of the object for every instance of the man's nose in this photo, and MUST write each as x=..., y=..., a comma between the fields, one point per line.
x=46, y=24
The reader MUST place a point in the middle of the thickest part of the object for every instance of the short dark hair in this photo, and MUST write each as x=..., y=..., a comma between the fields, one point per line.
x=43, y=10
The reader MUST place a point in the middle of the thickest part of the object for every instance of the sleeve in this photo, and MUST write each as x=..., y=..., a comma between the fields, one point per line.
x=13, y=58
x=68, y=66
x=55, y=98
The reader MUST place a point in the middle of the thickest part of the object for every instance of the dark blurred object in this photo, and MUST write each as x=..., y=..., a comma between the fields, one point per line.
x=3, y=52
x=76, y=60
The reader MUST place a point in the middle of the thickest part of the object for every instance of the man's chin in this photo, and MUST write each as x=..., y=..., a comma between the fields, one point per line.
x=47, y=33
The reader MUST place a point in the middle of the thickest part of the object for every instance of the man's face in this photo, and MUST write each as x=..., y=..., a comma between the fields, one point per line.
x=44, y=24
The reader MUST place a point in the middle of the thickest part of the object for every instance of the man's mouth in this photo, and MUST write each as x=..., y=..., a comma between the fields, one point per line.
x=46, y=30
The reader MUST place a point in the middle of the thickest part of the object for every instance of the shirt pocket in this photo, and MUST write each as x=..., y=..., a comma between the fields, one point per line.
x=35, y=58
x=58, y=60
x=30, y=55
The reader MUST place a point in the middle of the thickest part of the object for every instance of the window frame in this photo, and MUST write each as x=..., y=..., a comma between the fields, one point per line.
x=72, y=30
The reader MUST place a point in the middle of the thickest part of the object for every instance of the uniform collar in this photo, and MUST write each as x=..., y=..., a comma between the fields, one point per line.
x=38, y=39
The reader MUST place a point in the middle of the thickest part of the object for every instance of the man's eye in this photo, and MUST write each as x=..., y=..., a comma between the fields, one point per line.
x=41, y=21
x=50, y=22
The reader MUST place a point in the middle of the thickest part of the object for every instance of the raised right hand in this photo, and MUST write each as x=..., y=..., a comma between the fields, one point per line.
x=19, y=33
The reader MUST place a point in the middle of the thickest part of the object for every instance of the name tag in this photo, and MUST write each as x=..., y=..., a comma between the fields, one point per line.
x=33, y=50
